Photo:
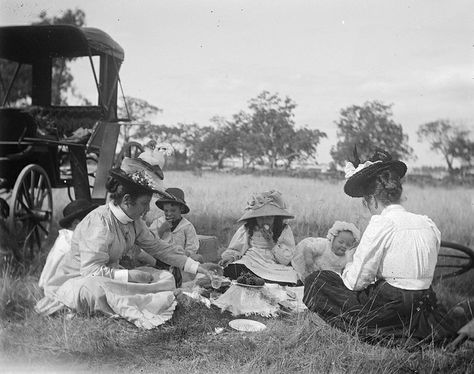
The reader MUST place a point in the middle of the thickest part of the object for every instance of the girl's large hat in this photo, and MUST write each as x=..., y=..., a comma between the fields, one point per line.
x=76, y=209
x=359, y=175
x=176, y=196
x=265, y=204
x=138, y=174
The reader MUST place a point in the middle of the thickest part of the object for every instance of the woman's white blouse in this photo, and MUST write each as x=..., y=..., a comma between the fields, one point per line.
x=106, y=234
x=398, y=246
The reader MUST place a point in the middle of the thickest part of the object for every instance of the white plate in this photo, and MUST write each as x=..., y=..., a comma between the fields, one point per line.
x=247, y=325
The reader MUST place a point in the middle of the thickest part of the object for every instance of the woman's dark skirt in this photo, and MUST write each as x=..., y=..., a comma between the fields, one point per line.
x=381, y=312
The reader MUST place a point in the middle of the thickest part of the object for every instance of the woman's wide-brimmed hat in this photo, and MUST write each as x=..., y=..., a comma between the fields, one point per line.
x=176, y=196
x=265, y=204
x=138, y=174
x=76, y=209
x=359, y=175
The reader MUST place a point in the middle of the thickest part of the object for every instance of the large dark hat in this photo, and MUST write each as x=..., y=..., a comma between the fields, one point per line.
x=76, y=209
x=359, y=175
x=175, y=196
x=138, y=174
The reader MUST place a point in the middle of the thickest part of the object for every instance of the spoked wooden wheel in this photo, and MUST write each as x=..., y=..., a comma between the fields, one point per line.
x=31, y=210
x=453, y=259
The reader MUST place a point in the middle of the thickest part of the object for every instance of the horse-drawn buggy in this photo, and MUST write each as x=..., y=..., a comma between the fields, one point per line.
x=46, y=145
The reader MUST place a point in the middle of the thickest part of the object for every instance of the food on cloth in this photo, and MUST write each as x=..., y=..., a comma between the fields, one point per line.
x=251, y=280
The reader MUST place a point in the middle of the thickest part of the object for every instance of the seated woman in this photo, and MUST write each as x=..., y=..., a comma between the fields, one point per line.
x=331, y=253
x=264, y=245
x=385, y=293
x=90, y=280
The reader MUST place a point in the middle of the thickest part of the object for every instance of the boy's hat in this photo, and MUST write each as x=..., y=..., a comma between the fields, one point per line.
x=76, y=209
x=359, y=175
x=264, y=204
x=175, y=196
x=138, y=174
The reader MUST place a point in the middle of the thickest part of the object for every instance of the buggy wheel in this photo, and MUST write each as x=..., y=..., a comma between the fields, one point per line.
x=31, y=211
x=453, y=260
x=130, y=149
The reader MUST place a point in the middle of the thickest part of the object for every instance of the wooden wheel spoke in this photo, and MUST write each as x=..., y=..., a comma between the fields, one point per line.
x=39, y=190
x=26, y=207
x=24, y=193
x=42, y=228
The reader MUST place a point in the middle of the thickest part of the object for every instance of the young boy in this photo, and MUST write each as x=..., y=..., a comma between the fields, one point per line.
x=172, y=227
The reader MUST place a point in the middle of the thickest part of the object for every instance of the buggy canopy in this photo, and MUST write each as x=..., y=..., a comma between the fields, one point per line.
x=26, y=44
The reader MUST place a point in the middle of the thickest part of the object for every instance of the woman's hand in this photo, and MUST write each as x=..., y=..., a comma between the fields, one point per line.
x=209, y=267
x=226, y=260
x=138, y=276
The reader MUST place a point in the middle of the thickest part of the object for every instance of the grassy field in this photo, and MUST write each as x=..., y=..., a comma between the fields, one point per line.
x=188, y=343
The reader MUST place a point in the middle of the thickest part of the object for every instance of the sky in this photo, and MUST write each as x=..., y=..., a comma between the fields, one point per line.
x=198, y=59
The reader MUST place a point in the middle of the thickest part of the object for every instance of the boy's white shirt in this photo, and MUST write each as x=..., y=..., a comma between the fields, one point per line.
x=184, y=235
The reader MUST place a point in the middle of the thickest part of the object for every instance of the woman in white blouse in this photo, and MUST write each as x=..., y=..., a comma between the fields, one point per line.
x=385, y=293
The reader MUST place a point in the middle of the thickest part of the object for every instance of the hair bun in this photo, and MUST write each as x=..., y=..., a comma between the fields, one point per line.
x=111, y=184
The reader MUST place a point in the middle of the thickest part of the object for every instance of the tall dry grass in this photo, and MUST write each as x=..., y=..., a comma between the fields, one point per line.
x=188, y=343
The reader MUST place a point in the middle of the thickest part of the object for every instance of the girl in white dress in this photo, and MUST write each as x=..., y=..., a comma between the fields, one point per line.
x=264, y=245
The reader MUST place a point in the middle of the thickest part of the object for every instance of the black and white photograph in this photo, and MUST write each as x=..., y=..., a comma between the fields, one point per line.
x=236, y=186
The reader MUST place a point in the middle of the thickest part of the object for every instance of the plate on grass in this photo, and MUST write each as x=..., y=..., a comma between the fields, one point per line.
x=247, y=325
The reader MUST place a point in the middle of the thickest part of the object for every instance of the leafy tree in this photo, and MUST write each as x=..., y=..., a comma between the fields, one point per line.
x=62, y=79
x=451, y=141
x=217, y=143
x=137, y=110
x=368, y=126
x=268, y=133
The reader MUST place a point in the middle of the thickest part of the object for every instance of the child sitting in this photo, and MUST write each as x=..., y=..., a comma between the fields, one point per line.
x=330, y=253
x=73, y=213
x=264, y=245
x=172, y=227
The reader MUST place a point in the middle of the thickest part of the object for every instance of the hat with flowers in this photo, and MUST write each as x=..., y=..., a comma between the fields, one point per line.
x=359, y=175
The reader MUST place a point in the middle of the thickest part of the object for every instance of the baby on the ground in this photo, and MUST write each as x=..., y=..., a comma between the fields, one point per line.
x=330, y=253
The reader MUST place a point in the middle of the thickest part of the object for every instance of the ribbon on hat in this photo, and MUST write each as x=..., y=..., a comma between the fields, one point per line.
x=272, y=197
x=350, y=169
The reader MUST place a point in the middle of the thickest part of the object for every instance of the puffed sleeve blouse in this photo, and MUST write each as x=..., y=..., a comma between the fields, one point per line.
x=397, y=246
x=106, y=234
